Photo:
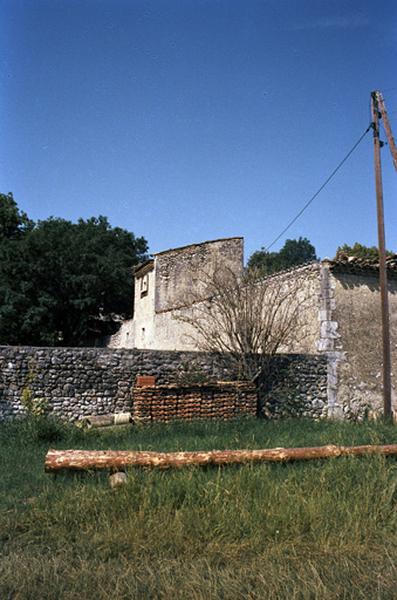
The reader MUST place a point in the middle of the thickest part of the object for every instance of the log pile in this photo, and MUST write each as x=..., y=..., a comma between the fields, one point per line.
x=221, y=400
x=57, y=460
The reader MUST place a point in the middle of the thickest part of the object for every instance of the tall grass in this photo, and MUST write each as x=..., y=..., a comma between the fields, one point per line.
x=324, y=529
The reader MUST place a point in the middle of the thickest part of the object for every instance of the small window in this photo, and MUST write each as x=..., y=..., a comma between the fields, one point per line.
x=144, y=285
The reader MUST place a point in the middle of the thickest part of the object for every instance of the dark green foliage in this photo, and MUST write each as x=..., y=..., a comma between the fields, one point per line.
x=45, y=429
x=13, y=222
x=359, y=250
x=62, y=283
x=323, y=530
x=294, y=252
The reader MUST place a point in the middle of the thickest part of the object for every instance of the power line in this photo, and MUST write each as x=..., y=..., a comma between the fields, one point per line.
x=342, y=162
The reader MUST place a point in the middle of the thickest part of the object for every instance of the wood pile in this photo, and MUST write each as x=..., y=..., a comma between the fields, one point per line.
x=221, y=400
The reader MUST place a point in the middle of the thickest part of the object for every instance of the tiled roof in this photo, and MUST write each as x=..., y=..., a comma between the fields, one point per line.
x=354, y=264
x=144, y=268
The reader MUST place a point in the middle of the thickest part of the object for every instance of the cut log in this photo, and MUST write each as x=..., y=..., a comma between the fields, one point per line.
x=99, y=420
x=107, y=420
x=122, y=418
x=118, y=459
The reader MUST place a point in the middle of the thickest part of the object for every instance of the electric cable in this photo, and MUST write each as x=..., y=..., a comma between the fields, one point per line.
x=342, y=162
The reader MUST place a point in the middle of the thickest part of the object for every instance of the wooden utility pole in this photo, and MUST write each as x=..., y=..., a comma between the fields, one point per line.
x=387, y=127
x=382, y=260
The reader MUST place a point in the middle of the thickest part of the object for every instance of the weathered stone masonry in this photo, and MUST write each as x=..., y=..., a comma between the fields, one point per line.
x=83, y=381
x=338, y=374
x=163, y=286
x=340, y=314
x=297, y=387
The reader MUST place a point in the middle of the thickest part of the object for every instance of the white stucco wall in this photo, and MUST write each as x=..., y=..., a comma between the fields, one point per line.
x=144, y=331
x=138, y=332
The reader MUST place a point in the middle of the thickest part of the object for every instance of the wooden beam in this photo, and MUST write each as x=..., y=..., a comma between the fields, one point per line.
x=57, y=460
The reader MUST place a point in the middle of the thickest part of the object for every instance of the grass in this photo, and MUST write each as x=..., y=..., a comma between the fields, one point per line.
x=318, y=530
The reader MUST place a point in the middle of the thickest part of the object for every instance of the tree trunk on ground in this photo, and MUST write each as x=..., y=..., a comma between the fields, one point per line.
x=99, y=420
x=118, y=459
x=107, y=420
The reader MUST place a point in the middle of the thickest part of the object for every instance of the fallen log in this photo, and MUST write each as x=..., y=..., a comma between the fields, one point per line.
x=106, y=420
x=57, y=460
x=99, y=421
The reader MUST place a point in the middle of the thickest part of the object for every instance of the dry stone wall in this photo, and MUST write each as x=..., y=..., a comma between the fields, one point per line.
x=297, y=387
x=76, y=382
x=83, y=381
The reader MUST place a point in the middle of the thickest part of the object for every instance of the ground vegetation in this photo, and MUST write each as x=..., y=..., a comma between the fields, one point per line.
x=322, y=529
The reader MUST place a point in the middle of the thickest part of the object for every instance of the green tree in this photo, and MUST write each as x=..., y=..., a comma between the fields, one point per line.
x=360, y=251
x=63, y=283
x=13, y=222
x=293, y=253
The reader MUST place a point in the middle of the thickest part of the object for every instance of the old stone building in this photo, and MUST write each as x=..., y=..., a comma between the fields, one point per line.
x=163, y=288
x=333, y=370
x=343, y=318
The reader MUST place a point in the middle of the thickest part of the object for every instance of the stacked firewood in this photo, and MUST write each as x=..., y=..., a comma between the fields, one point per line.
x=221, y=400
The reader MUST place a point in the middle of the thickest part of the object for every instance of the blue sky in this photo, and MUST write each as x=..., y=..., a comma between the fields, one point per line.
x=187, y=120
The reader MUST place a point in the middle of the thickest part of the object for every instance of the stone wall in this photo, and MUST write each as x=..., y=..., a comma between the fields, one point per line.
x=179, y=271
x=358, y=342
x=297, y=387
x=84, y=381
x=171, y=279
x=80, y=381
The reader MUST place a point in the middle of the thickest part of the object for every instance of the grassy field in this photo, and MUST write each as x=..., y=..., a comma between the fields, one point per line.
x=318, y=530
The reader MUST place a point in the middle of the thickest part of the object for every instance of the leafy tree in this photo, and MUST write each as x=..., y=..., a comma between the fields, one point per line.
x=360, y=251
x=63, y=283
x=13, y=222
x=293, y=253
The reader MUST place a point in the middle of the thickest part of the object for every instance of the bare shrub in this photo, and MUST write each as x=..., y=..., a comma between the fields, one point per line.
x=246, y=320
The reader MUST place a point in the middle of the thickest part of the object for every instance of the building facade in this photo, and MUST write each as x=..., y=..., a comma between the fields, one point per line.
x=163, y=289
x=342, y=317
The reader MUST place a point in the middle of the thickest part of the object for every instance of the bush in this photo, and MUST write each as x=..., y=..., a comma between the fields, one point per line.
x=34, y=406
x=44, y=429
